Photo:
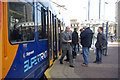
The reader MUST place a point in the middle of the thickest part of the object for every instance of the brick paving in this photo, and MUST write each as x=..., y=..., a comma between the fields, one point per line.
x=108, y=69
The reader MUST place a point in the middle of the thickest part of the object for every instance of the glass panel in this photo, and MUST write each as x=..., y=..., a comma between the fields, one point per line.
x=38, y=4
x=39, y=26
x=21, y=22
x=50, y=22
x=46, y=26
x=45, y=22
x=42, y=28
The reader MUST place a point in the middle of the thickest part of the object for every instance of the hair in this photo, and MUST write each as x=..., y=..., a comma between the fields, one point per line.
x=81, y=29
x=75, y=29
x=15, y=26
x=101, y=28
x=67, y=27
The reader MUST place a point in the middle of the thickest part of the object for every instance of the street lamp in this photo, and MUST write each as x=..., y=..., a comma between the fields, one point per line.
x=88, y=10
x=104, y=8
x=99, y=8
x=85, y=12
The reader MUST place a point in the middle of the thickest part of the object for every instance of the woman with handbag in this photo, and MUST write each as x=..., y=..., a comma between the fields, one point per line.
x=100, y=45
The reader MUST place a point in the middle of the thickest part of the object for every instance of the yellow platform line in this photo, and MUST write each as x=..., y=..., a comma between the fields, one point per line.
x=47, y=71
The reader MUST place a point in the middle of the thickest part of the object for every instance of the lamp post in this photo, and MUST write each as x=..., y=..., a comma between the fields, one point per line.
x=104, y=8
x=85, y=12
x=99, y=8
x=89, y=11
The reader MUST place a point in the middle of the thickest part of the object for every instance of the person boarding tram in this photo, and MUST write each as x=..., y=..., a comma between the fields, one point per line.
x=66, y=38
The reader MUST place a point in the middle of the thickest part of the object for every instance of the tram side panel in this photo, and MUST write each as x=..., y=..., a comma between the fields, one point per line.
x=8, y=51
x=25, y=57
x=21, y=59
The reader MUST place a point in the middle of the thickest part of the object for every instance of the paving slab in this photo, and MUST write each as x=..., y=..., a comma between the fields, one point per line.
x=108, y=69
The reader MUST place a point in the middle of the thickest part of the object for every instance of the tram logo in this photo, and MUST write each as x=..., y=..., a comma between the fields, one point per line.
x=29, y=53
x=28, y=64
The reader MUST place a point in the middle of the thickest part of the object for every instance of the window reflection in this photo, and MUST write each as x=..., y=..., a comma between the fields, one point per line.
x=42, y=24
x=21, y=22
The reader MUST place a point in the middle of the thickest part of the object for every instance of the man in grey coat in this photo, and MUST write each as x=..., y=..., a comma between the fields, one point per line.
x=66, y=38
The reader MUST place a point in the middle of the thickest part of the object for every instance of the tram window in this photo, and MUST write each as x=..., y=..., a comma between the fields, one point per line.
x=39, y=26
x=42, y=24
x=21, y=22
x=46, y=24
x=54, y=27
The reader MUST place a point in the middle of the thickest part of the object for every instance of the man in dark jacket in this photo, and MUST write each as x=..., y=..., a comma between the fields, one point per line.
x=100, y=45
x=86, y=41
x=75, y=42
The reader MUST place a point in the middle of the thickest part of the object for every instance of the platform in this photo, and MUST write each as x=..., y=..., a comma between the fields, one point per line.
x=108, y=69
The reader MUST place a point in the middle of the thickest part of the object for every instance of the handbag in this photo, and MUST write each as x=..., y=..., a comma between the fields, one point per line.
x=102, y=47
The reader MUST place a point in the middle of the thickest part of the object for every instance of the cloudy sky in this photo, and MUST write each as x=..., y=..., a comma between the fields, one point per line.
x=78, y=9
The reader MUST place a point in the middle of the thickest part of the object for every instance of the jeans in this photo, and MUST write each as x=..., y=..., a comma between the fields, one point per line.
x=99, y=55
x=85, y=51
x=75, y=47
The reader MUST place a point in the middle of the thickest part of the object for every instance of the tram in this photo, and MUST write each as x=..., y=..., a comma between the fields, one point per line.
x=29, y=38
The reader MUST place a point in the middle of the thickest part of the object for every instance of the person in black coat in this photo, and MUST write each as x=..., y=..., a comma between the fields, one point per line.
x=86, y=42
x=100, y=45
x=15, y=34
x=86, y=37
x=75, y=42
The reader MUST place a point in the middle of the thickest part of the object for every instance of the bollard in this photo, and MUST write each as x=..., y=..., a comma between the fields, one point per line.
x=106, y=39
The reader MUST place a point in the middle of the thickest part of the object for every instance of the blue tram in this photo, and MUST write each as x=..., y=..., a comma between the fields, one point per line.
x=30, y=38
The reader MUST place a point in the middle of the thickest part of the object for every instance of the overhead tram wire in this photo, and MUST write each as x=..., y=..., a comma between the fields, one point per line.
x=58, y=5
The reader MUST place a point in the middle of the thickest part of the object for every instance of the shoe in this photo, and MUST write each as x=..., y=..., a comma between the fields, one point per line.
x=72, y=66
x=83, y=65
x=74, y=57
x=99, y=62
x=83, y=62
x=94, y=61
x=61, y=62
x=66, y=60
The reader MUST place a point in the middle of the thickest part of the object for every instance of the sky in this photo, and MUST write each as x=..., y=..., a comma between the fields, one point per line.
x=78, y=9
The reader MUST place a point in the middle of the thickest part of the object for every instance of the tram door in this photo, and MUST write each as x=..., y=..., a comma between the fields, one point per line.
x=50, y=37
x=59, y=37
x=54, y=38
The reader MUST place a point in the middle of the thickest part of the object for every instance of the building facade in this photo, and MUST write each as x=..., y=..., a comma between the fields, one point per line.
x=74, y=24
x=118, y=17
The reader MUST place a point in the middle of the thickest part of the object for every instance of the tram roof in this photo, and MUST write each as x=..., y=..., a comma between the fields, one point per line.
x=46, y=3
